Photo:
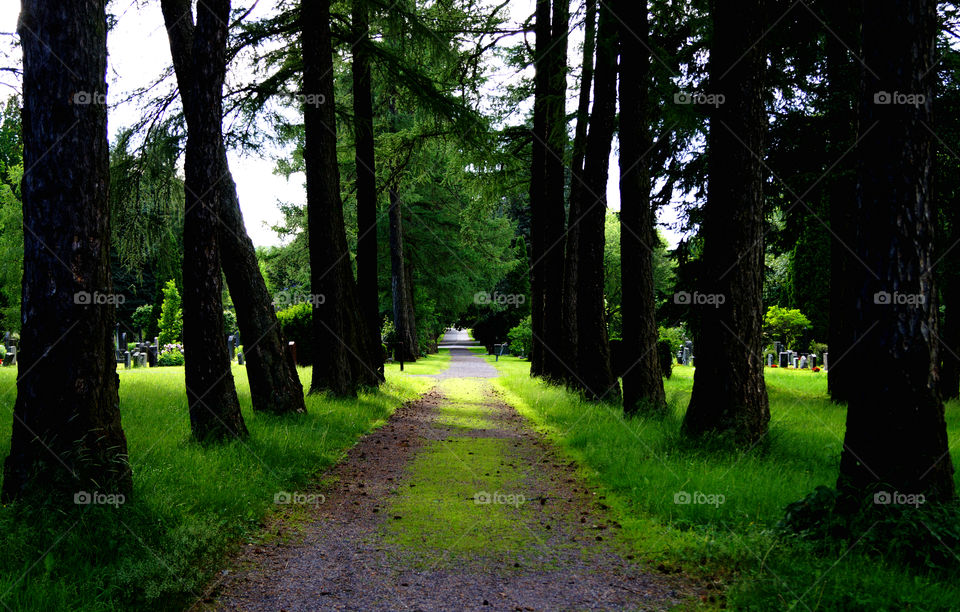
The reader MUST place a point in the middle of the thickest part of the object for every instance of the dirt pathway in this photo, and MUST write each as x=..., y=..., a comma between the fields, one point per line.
x=454, y=504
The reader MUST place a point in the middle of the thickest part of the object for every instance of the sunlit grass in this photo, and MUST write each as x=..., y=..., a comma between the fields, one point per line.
x=190, y=504
x=645, y=466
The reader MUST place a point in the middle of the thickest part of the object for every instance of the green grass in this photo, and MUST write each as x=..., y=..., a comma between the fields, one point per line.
x=190, y=504
x=425, y=366
x=643, y=463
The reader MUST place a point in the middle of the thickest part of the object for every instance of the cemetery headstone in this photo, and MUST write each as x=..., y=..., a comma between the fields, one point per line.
x=813, y=361
x=240, y=360
x=803, y=362
x=784, y=359
x=126, y=359
x=769, y=359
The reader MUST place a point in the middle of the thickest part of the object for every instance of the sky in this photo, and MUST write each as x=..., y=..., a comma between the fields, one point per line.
x=138, y=52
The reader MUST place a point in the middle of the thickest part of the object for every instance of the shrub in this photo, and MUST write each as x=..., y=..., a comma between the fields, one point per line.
x=229, y=322
x=171, y=317
x=818, y=348
x=673, y=335
x=172, y=357
x=785, y=323
x=296, y=323
x=521, y=337
x=142, y=317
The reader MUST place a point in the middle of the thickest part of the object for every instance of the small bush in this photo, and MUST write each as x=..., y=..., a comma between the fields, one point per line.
x=170, y=358
x=296, y=323
x=521, y=338
x=171, y=317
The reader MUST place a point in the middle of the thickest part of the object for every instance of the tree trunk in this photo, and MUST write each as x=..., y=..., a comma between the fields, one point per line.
x=343, y=358
x=594, y=374
x=642, y=380
x=896, y=437
x=404, y=322
x=367, y=292
x=568, y=309
x=729, y=394
x=538, y=155
x=552, y=210
x=67, y=436
x=274, y=384
x=199, y=53
x=841, y=134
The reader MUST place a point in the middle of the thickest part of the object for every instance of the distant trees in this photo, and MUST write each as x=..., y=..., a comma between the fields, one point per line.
x=896, y=437
x=729, y=395
x=67, y=435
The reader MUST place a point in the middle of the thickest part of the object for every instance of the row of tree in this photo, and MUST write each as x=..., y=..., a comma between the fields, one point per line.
x=879, y=207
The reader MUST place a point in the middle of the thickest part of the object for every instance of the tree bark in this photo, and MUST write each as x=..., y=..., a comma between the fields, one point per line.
x=568, y=309
x=344, y=360
x=642, y=380
x=274, y=384
x=552, y=206
x=199, y=53
x=841, y=134
x=404, y=322
x=538, y=155
x=67, y=435
x=729, y=394
x=896, y=437
x=367, y=292
x=594, y=374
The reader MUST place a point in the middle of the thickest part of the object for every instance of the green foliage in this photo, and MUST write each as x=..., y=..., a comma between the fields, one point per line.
x=229, y=322
x=521, y=337
x=171, y=357
x=296, y=323
x=143, y=317
x=171, y=316
x=675, y=336
x=11, y=247
x=785, y=324
x=664, y=275
x=818, y=348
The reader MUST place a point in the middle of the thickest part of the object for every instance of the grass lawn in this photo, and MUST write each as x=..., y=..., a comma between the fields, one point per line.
x=190, y=504
x=727, y=531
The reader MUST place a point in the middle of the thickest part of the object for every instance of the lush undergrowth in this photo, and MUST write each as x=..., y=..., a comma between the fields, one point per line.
x=190, y=504
x=712, y=511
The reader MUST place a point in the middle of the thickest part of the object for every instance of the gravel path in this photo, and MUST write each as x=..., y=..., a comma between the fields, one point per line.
x=344, y=554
